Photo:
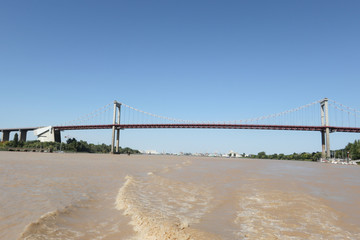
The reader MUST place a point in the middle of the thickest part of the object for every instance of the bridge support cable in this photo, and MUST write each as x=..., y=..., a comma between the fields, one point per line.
x=296, y=116
x=349, y=115
x=304, y=118
x=89, y=117
x=290, y=117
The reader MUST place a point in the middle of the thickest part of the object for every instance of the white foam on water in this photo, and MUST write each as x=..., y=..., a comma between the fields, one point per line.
x=161, y=208
x=285, y=215
x=85, y=219
x=46, y=227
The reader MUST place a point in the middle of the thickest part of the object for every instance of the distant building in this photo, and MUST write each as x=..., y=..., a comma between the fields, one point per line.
x=234, y=154
x=151, y=152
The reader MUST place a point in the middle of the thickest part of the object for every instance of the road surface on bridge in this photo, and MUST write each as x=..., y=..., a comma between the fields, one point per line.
x=212, y=126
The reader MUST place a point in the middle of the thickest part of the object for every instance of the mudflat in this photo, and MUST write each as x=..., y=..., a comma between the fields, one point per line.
x=103, y=196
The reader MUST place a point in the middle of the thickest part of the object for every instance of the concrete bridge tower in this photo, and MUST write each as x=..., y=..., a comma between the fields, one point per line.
x=325, y=134
x=116, y=120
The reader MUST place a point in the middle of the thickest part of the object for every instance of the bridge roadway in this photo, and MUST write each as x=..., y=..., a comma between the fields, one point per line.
x=6, y=133
x=212, y=126
x=18, y=129
x=23, y=131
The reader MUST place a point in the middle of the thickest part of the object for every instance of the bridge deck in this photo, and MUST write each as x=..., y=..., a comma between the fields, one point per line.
x=18, y=129
x=199, y=125
x=212, y=126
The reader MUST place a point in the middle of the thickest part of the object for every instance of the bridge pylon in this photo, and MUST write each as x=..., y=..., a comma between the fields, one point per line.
x=116, y=120
x=325, y=134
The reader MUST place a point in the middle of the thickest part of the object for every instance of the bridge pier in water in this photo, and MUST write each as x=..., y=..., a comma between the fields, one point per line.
x=116, y=120
x=325, y=134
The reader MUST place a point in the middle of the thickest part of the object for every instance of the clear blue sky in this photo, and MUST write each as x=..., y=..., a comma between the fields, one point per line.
x=201, y=60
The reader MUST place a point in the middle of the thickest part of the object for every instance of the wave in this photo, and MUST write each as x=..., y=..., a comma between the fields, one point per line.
x=161, y=208
x=47, y=227
x=85, y=218
x=286, y=215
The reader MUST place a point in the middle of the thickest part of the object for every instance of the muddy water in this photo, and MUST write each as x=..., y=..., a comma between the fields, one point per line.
x=90, y=196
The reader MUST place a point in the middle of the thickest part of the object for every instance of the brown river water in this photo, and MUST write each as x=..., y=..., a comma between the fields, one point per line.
x=96, y=196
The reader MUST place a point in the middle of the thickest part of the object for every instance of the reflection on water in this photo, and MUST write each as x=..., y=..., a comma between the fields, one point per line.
x=90, y=196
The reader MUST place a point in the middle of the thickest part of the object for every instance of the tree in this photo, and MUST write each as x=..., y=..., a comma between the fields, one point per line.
x=261, y=155
x=71, y=145
x=16, y=140
x=71, y=140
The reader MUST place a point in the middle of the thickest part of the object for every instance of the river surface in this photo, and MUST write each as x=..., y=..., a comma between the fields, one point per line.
x=97, y=196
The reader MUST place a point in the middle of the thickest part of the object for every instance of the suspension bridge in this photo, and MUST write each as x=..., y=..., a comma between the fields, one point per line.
x=119, y=116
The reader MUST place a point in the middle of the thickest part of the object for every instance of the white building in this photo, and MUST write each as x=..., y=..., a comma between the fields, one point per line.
x=151, y=152
x=234, y=154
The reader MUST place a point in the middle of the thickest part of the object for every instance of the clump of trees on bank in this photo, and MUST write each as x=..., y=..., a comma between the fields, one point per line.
x=295, y=156
x=352, y=150
x=71, y=145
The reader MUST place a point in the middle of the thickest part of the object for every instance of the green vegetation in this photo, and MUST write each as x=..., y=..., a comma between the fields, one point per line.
x=353, y=149
x=16, y=140
x=71, y=145
x=295, y=156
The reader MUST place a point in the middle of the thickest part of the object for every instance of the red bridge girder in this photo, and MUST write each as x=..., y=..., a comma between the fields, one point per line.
x=212, y=126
